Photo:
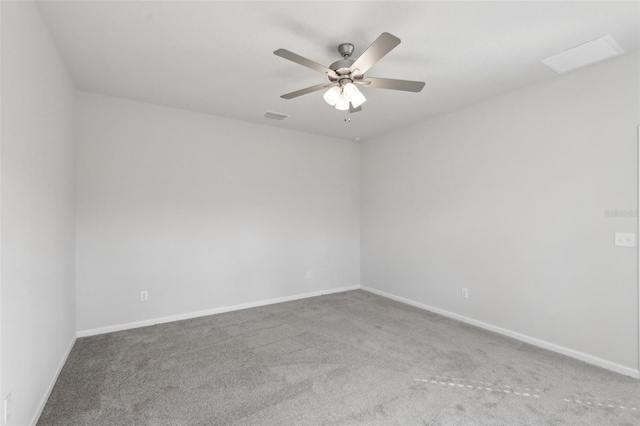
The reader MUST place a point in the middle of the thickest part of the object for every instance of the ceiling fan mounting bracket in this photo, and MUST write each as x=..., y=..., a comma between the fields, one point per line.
x=345, y=49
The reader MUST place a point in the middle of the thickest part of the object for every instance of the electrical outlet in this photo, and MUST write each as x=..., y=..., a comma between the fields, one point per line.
x=464, y=293
x=625, y=239
x=6, y=409
x=144, y=296
x=308, y=275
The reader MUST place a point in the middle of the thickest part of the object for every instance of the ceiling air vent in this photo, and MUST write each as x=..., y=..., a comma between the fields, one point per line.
x=275, y=116
x=595, y=51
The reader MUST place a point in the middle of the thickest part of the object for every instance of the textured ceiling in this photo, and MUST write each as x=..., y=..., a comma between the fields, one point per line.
x=217, y=57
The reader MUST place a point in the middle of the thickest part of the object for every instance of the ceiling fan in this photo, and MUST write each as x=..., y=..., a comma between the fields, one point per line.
x=345, y=74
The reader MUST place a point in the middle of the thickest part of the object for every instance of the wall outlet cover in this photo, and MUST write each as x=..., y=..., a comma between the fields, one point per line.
x=625, y=239
x=464, y=293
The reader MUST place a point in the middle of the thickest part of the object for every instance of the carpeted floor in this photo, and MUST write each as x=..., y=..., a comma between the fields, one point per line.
x=341, y=359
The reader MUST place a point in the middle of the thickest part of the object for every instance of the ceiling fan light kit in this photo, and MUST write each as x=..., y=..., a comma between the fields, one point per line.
x=345, y=74
x=341, y=96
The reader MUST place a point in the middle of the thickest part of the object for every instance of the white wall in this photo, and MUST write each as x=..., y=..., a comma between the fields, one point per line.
x=38, y=295
x=508, y=197
x=205, y=212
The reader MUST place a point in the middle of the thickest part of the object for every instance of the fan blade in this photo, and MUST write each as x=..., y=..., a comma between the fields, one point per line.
x=380, y=47
x=389, y=83
x=306, y=90
x=352, y=109
x=284, y=53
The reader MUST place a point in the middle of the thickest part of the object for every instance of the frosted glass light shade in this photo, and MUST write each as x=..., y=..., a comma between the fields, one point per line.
x=358, y=99
x=332, y=95
x=349, y=90
x=342, y=103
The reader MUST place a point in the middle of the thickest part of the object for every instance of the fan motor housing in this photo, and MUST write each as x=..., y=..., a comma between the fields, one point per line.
x=344, y=74
x=342, y=66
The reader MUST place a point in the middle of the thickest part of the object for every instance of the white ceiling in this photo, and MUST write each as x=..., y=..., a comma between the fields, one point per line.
x=217, y=57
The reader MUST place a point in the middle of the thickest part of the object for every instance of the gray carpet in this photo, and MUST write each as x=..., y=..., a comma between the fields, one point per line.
x=341, y=359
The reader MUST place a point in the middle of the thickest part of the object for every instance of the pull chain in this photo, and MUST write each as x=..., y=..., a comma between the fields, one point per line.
x=347, y=116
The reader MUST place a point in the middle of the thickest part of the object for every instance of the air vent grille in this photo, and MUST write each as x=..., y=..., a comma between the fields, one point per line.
x=597, y=50
x=271, y=115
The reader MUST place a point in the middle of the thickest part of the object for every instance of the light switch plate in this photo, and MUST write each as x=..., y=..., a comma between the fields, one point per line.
x=625, y=239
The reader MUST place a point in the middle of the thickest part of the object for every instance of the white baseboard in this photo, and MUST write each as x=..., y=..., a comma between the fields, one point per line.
x=45, y=397
x=627, y=371
x=189, y=315
x=519, y=336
